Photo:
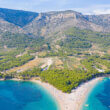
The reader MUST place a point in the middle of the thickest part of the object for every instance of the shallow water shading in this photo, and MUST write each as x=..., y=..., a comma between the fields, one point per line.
x=24, y=95
x=99, y=97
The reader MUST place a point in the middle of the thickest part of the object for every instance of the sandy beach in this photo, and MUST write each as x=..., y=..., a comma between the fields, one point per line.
x=72, y=101
x=75, y=99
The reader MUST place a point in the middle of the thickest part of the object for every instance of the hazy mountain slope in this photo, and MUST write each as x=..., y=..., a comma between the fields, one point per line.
x=102, y=20
x=6, y=26
x=48, y=23
x=17, y=17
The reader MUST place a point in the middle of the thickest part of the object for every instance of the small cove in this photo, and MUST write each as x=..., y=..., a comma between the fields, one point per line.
x=25, y=95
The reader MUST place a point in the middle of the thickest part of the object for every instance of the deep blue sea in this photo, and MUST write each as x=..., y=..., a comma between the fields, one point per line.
x=99, y=97
x=21, y=95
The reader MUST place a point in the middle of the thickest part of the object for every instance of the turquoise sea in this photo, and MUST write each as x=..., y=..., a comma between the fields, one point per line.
x=22, y=95
x=99, y=97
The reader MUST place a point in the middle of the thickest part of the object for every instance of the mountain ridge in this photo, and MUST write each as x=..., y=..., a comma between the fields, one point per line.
x=48, y=23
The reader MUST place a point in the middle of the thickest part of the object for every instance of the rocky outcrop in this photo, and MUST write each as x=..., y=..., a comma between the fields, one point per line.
x=47, y=24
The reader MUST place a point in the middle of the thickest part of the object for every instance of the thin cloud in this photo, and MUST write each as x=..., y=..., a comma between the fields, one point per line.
x=94, y=10
x=83, y=6
x=98, y=12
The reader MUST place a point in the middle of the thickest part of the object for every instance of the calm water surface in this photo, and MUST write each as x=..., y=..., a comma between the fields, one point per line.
x=20, y=95
x=99, y=98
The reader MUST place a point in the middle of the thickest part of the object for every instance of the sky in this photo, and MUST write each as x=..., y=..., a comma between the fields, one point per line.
x=83, y=6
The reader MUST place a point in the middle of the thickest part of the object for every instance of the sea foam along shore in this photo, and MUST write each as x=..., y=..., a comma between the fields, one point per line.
x=75, y=99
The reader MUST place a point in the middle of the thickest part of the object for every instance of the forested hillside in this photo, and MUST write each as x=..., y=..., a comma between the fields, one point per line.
x=64, y=48
x=17, y=40
x=17, y=17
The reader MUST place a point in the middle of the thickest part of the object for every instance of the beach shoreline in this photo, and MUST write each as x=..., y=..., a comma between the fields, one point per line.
x=74, y=100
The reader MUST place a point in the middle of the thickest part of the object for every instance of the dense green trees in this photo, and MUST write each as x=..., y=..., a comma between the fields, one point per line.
x=8, y=61
x=93, y=62
x=35, y=72
x=73, y=44
x=76, y=38
x=20, y=41
x=64, y=80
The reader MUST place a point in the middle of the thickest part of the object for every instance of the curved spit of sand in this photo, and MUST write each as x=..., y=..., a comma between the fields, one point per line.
x=75, y=99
